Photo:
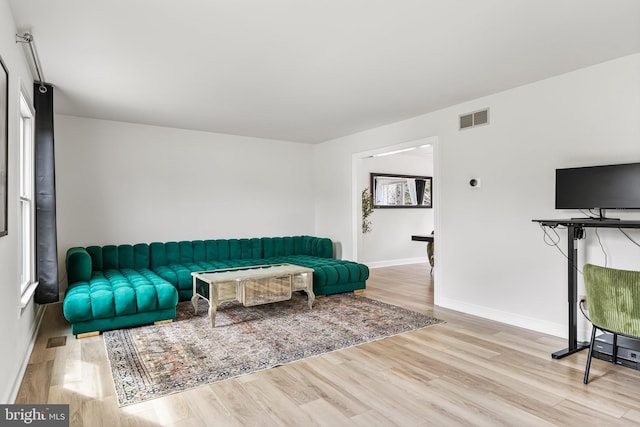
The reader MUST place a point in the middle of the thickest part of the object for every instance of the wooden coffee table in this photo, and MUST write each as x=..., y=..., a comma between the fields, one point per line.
x=255, y=285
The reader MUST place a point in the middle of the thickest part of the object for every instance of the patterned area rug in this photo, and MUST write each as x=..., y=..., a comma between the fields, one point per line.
x=153, y=361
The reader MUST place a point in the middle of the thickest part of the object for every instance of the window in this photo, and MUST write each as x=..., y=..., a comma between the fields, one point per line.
x=26, y=219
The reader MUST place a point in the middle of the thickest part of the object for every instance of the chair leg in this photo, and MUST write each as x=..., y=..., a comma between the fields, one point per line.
x=591, y=345
x=614, y=351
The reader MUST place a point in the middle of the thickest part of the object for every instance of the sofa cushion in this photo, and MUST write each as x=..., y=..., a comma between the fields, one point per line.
x=327, y=271
x=110, y=258
x=157, y=255
x=118, y=292
x=141, y=256
x=78, y=264
x=125, y=256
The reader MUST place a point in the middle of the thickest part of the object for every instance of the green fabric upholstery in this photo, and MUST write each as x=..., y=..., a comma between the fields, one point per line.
x=125, y=256
x=158, y=255
x=124, y=321
x=115, y=293
x=199, y=253
x=78, y=265
x=614, y=299
x=140, y=256
x=129, y=282
x=96, y=258
x=110, y=257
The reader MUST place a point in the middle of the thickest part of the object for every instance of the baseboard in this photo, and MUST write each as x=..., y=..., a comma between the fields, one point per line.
x=513, y=319
x=509, y=318
x=25, y=359
x=393, y=262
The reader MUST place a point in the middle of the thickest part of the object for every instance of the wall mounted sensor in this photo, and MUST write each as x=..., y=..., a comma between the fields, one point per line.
x=474, y=183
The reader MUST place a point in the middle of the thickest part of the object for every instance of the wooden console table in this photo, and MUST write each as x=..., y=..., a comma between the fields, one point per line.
x=575, y=231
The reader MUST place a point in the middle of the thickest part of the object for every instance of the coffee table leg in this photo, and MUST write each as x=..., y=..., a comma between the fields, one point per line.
x=194, y=298
x=212, y=315
x=310, y=297
x=194, y=303
x=213, y=303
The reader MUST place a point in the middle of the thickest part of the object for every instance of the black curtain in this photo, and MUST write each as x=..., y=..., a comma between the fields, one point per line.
x=45, y=199
x=420, y=184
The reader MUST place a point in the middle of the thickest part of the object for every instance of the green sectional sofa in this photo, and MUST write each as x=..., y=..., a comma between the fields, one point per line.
x=113, y=287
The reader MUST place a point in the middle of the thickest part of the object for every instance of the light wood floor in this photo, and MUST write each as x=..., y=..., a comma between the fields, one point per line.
x=468, y=371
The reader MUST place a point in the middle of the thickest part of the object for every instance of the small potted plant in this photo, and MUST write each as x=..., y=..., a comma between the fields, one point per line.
x=367, y=210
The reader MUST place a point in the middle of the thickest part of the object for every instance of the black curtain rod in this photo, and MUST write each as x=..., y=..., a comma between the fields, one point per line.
x=28, y=38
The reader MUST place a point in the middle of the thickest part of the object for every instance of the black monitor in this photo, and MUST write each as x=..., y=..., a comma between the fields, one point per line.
x=599, y=187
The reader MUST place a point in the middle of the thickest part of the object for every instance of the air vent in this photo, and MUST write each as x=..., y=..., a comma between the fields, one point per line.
x=474, y=119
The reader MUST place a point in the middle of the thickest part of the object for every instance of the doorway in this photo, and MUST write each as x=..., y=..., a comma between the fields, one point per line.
x=389, y=241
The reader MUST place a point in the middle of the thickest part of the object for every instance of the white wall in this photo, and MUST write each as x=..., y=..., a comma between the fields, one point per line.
x=127, y=183
x=491, y=260
x=389, y=241
x=19, y=326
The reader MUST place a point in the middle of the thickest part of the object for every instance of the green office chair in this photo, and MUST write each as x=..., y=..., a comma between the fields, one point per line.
x=430, y=249
x=613, y=297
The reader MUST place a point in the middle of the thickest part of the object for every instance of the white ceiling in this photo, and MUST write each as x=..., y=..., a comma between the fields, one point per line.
x=308, y=70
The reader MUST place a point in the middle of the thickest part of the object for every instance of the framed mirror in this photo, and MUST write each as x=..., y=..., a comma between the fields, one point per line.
x=400, y=191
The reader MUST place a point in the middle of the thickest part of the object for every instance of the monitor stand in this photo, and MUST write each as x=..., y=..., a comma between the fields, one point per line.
x=601, y=217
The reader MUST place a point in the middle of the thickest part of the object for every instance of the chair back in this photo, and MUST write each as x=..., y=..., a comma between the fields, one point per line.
x=430, y=251
x=613, y=297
